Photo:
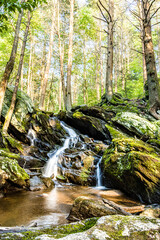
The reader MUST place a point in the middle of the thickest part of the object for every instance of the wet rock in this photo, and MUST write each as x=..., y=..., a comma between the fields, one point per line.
x=153, y=212
x=91, y=126
x=48, y=182
x=134, y=167
x=78, y=167
x=85, y=207
x=36, y=184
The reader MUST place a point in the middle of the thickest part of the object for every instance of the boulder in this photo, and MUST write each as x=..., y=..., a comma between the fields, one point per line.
x=105, y=228
x=77, y=167
x=133, y=167
x=86, y=207
x=137, y=125
x=12, y=175
x=93, y=127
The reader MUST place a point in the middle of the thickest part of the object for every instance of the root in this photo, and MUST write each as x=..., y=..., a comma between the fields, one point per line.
x=153, y=110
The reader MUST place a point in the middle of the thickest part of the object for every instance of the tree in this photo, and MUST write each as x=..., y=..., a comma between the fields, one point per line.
x=110, y=23
x=10, y=64
x=152, y=78
x=68, y=104
x=13, y=101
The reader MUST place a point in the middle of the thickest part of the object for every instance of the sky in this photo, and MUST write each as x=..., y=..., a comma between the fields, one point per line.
x=81, y=2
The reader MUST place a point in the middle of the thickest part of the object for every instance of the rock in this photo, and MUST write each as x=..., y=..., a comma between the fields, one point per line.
x=137, y=125
x=105, y=228
x=78, y=168
x=36, y=184
x=151, y=212
x=48, y=182
x=91, y=126
x=96, y=112
x=85, y=207
x=133, y=167
x=11, y=174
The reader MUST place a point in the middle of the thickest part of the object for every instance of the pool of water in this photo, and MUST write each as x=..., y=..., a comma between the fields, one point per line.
x=47, y=208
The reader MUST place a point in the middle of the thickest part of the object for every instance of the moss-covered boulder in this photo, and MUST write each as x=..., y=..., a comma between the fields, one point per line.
x=137, y=125
x=134, y=167
x=23, y=109
x=86, y=207
x=105, y=228
x=92, y=126
x=12, y=175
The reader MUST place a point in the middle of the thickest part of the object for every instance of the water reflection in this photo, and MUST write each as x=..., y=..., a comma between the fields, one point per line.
x=49, y=208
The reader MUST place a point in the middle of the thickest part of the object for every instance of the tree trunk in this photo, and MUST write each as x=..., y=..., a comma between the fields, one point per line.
x=152, y=79
x=44, y=87
x=13, y=101
x=10, y=64
x=29, y=80
x=109, y=72
x=61, y=56
x=43, y=64
x=84, y=73
x=69, y=65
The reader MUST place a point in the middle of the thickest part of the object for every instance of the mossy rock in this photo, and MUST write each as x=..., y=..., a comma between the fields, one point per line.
x=134, y=167
x=15, y=175
x=22, y=111
x=92, y=126
x=105, y=228
x=137, y=125
x=87, y=207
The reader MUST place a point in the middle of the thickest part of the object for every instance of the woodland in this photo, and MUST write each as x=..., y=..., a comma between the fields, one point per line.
x=80, y=108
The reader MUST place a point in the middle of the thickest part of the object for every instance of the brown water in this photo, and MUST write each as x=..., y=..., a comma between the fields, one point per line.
x=49, y=208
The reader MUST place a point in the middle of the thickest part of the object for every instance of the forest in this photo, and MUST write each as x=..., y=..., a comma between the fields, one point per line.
x=79, y=119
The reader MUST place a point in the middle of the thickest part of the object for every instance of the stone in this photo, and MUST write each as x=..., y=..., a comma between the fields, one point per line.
x=133, y=167
x=36, y=184
x=86, y=207
x=137, y=125
x=11, y=174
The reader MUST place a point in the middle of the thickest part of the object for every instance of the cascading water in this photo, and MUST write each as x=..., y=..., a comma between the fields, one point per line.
x=32, y=136
x=99, y=178
x=51, y=167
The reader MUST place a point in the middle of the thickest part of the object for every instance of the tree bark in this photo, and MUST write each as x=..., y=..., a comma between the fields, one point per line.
x=44, y=87
x=13, y=101
x=61, y=56
x=109, y=72
x=69, y=65
x=152, y=79
x=10, y=64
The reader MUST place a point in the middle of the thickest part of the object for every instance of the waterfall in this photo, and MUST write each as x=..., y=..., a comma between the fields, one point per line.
x=51, y=167
x=32, y=136
x=99, y=184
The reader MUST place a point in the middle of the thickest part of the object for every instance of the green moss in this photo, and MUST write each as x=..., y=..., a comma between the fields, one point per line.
x=77, y=115
x=114, y=132
x=56, y=232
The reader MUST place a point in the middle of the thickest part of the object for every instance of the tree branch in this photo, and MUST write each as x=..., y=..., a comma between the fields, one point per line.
x=99, y=19
x=102, y=14
x=106, y=10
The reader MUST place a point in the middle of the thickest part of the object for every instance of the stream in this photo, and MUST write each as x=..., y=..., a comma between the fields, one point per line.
x=45, y=208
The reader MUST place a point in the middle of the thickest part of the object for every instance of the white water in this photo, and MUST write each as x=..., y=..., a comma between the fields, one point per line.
x=99, y=179
x=32, y=136
x=51, y=167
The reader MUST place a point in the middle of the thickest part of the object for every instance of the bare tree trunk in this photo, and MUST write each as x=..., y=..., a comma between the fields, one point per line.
x=22, y=78
x=13, y=101
x=10, y=64
x=43, y=67
x=44, y=87
x=97, y=71
x=61, y=56
x=69, y=66
x=29, y=80
x=60, y=95
x=84, y=73
x=152, y=79
x=109, y=73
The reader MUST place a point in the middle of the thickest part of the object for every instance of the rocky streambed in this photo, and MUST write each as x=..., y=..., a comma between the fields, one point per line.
x=122, y=140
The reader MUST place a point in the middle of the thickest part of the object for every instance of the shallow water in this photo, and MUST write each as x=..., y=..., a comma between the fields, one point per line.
x=49, y=208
